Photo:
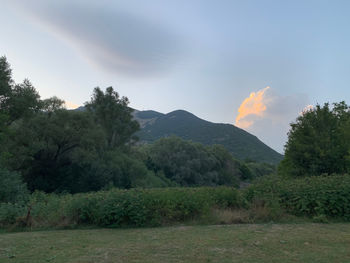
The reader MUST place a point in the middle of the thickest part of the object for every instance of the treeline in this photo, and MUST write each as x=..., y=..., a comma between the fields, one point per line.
x=47, y=148
x=53, y=149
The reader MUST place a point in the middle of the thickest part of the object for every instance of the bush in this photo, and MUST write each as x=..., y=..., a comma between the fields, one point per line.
x=316, y=196
x=119, y=208
x=12, y=188
x=10, y=213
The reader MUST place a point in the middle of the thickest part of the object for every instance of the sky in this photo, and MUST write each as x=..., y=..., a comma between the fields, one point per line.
x=255, y=64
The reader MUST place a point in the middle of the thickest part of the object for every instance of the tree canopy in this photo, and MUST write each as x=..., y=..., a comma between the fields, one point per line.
x=113, y=114
x=319, y=142
x=193, y=164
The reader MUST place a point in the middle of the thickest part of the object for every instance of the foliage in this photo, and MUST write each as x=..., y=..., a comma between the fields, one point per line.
x=113, y=114
x=136, y=207
x=259, y=169
x=192, y=164
x=12, y=189
x=23, y=102
x=47, y=145
x=13, y=196
x=315, y=196
x=319, y=142
x=5, y=82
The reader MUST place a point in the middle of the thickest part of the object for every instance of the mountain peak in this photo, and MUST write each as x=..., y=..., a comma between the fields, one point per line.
x=186, y=125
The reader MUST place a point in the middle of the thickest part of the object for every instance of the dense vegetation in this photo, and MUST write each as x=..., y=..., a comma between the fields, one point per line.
x=117, y=208
x=67, y=168
x=319, y=197
x=53, y=149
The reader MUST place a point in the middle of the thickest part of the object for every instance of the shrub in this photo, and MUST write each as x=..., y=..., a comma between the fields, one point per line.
x=118, y=208
x=311, y=196
x=9, y=213
x=12, y=188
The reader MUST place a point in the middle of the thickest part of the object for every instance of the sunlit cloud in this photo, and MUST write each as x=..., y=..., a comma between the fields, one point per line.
x=254, y=105
x=268, y=114
x=70, y=105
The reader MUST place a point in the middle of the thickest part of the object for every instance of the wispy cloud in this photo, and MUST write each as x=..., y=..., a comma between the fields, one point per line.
x=109, y=38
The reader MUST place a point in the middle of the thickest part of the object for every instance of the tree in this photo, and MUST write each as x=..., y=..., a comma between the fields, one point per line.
x=113, y=114
x=6, y=81
x=318, y=142
x=192, y=164
x=23, y=102
x=16, y=100
x=49, y=147
x=52, y=104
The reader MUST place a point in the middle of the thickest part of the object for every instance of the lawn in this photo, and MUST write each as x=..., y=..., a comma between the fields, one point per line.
x=228, y=243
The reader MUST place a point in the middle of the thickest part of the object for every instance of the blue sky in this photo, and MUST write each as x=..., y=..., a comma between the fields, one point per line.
x=208, y=57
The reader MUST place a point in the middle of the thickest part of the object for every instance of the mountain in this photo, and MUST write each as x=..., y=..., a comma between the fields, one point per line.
x=241, y=144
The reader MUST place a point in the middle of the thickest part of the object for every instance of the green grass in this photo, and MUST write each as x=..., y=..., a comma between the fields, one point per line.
x=228, y=243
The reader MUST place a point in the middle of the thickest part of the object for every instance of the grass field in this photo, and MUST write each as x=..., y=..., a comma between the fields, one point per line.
x=328, y=243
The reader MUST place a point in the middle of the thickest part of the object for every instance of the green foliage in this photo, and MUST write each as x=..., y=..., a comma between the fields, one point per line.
x=319, y=142
x=23, y=102
x=316, y=196
x=13, y=197
x=12, y=188
x=136, y=207
x=259, y=169
x=5, y=82
x=192, y=164
x=10, y=213
x=45, y=148
x=113, y=114
x=52, y=104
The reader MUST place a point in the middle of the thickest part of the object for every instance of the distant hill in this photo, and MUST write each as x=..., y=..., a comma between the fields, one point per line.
x=241, y=144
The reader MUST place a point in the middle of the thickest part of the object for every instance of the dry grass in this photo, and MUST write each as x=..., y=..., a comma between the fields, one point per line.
x=258, y=212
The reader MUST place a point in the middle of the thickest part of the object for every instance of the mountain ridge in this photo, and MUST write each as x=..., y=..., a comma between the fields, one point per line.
x=184, y=124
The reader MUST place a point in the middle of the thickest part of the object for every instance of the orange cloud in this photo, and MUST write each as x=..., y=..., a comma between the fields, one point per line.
x=253, y=105
x=70, y=105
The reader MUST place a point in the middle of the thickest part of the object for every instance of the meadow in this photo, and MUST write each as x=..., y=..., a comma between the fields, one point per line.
x=219, y=243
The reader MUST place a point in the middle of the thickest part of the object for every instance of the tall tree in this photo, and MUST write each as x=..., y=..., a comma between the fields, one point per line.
x=318, y=142
x=46, y=148
x=113, y=114
x=24, y=101
x=6, y=81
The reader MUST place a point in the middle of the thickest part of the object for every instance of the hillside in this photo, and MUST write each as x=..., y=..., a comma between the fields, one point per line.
x=241, y=144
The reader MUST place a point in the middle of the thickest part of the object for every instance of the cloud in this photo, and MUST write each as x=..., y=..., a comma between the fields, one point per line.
x=268, y=115
x=254, y=105
x=109, y=38
x=70, y=105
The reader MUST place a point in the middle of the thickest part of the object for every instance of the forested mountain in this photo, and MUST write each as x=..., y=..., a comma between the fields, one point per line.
x=240, y=143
